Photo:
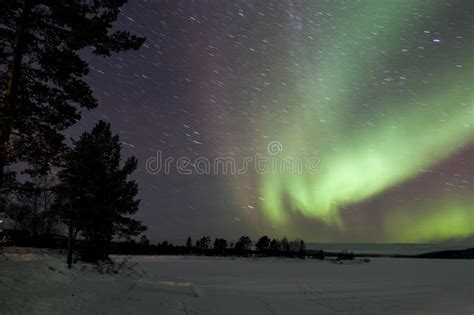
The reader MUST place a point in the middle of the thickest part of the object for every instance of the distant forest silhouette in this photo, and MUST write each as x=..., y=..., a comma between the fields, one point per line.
x=243, y=247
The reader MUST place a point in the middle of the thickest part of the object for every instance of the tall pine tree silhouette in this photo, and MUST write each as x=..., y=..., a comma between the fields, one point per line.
x=96, y=194
x=41, y=74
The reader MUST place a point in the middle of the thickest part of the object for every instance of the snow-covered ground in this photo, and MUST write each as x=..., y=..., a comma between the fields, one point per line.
x=37, y=283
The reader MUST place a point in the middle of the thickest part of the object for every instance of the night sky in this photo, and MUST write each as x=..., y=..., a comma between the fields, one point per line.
x=378, y=92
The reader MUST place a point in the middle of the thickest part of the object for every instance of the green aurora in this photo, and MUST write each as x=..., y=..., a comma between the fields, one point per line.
x=411, y=120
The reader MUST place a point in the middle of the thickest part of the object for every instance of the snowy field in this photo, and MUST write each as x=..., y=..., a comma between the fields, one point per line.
x=35, y=283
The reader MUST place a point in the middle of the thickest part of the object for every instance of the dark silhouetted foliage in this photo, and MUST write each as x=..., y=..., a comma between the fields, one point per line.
x=243, y=245
x=302, y=249
x=189, y=243
x=275, y=246
x=144, y=240
x=95, y=193
x=284, y=245
x=220, y=245
x=263, y=244
x=41, y=75
x=345, y=255
x=320, y=255
x=203, y=243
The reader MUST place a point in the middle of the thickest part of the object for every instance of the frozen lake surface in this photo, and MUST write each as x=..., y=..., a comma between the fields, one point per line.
x=40, y=284
x=293, y=286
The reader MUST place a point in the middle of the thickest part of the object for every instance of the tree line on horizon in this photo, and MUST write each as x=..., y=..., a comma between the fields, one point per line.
x=45, y=182
x=243, y=247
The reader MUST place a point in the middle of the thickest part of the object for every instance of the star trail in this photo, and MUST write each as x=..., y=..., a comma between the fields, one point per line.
x=380, y=92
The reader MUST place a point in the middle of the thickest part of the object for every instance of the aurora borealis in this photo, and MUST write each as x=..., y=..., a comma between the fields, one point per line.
x=379, y=91
x=411, y=125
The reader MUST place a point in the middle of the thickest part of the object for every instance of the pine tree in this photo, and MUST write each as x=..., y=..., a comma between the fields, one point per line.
x=220, y=246
x=95, y=192
x=263, y=244
x=275, y=246
x=204, y=243
x=284, y=245
x=302, y=249
x=189, y=243
x=243, y=245
x=41, y=85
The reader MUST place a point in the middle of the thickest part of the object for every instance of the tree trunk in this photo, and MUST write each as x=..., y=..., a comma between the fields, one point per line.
x=70, y=238
x=70, y=245
x=8, y=104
